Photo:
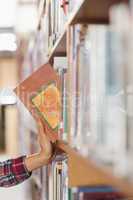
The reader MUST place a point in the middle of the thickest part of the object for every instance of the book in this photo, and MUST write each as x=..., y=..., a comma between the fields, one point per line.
x=96, y=193
x=41, y=94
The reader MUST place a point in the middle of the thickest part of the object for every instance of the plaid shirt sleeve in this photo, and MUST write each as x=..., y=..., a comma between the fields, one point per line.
x=13, y=172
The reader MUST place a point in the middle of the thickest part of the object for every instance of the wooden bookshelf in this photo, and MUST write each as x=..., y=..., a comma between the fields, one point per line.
x=84, y=172
x=92, y=12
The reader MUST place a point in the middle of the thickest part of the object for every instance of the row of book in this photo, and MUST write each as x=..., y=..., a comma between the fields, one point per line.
x=89, y=92
x=57, y=17
x=101, y=82
x=54, y=17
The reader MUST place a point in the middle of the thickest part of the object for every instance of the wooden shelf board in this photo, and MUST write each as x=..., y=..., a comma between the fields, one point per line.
x=83, y=172
x=95, y=11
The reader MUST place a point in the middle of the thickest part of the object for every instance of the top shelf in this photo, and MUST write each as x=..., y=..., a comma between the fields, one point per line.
x=94, y=11
x=87, y=11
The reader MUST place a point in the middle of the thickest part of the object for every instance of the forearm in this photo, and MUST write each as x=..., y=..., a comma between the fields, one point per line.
x=36, y=161
x=15, y=171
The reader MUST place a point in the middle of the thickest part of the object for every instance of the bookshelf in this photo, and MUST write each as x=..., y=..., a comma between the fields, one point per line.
x=84, y=171
x=92, y=12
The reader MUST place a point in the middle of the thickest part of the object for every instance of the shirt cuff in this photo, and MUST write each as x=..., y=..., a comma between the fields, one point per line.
x=24, y=167
x=19, y=169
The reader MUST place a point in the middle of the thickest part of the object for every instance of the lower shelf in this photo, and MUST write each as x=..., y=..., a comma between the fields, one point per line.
x=84, y=172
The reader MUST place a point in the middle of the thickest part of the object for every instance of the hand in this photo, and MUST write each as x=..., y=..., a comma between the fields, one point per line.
x=45, y=144
x=42, y=158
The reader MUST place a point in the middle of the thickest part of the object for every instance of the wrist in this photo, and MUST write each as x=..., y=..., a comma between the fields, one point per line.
x=36, y=161
x=44, y=156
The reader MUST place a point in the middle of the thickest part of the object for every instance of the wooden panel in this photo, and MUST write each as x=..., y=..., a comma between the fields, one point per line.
x=95, y=11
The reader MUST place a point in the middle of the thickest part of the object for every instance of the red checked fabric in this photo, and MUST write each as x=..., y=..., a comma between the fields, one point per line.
x=13, y=172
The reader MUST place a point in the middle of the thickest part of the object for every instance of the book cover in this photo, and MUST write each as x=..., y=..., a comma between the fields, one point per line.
x=40, y=93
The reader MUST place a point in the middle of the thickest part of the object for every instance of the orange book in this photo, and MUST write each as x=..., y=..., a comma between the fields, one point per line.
x=41, y=94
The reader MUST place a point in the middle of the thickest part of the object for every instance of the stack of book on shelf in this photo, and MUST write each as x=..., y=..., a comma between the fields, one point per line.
x=57, y=16
x=101, y=91
x=87, y=88
x=54, y=16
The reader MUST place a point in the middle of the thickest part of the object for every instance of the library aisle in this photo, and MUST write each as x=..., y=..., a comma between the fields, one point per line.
x=66, y=99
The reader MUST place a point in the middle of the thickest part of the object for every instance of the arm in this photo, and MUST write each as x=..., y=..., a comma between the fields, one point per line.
x=37, y=160
x=15, y=171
